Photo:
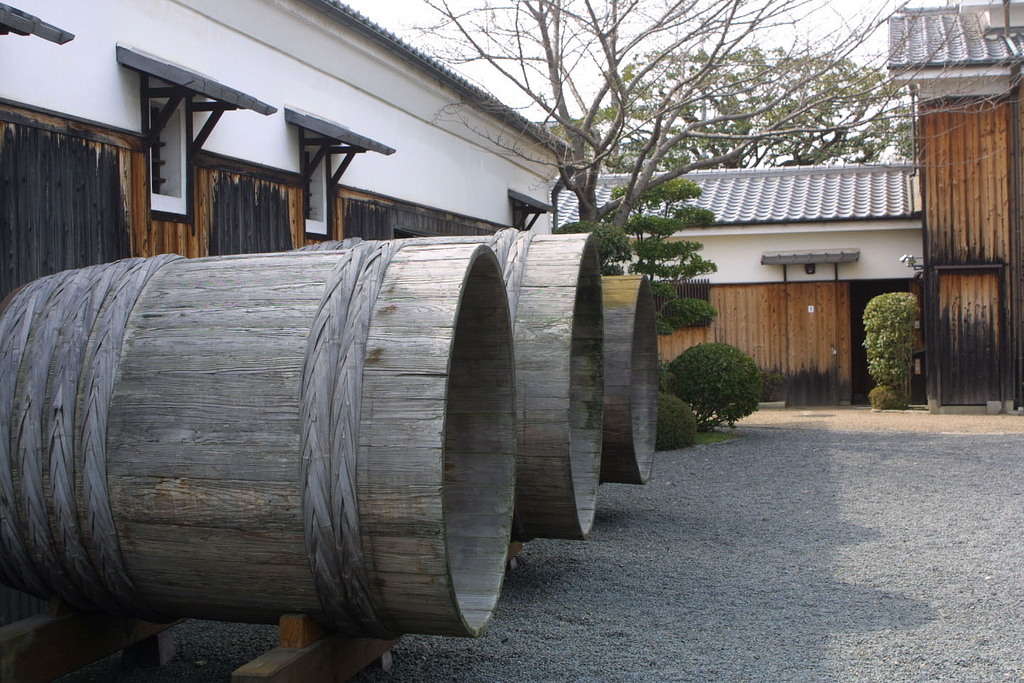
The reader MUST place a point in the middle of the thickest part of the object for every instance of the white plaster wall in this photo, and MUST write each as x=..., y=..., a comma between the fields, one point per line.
x=994, y=8
x=737, y=250
x=286, y=54
x=964, y=82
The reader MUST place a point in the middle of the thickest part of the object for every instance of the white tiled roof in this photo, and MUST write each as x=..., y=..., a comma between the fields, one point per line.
x=786, y=195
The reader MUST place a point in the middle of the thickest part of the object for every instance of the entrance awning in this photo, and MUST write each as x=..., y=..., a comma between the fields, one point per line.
x=784, y=258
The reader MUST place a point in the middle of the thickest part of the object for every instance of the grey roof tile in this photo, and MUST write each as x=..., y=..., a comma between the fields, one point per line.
x=786, y=195
x=944, y=36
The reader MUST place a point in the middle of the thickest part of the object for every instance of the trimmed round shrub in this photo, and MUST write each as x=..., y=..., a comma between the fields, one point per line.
x=888, y=398
x=677, y=426
x=719, y=382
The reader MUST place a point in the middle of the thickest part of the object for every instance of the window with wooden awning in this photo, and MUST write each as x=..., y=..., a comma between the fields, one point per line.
x=13, y=20
x=173, y=98
x=526, y=210
x=325, y=151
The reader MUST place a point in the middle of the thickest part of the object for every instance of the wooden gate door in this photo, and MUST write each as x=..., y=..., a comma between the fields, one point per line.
x=818, y=329
x=969, y=314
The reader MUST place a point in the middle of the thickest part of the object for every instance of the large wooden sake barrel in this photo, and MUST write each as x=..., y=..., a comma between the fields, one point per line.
x=630, y=380
x=554, y=289
x=236, y=438
x=559, y=341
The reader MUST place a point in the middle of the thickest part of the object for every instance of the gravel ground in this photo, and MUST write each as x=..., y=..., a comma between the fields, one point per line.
x=838, y=554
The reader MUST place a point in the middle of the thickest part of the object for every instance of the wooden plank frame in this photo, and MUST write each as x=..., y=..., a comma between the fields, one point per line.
x=46, y=646
x=308, y=654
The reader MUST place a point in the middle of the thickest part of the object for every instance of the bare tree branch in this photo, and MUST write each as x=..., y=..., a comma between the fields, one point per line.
x=658, y=88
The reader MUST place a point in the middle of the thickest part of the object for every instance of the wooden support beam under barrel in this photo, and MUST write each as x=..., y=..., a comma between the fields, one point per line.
x=46, y=646
x=307, y=654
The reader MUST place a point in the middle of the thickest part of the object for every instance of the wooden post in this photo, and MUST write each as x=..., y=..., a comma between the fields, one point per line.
x=514, y=548
x=309, y=655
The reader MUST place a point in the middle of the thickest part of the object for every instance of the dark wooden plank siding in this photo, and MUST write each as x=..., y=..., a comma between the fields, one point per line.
x=376, y=218
x=368, y=220
x=965, y=163
x=966, y=168
x=15, y=605
x=773, y=324
x=249, y=215
x=65, y=202
x=971, y=316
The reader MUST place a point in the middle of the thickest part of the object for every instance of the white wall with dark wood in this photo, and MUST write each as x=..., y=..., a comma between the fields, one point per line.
x=736, y=250
x=285, y=53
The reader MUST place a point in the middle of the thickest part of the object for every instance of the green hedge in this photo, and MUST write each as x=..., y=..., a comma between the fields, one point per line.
x=889, y=341
x=677, y=426
x=887, y=398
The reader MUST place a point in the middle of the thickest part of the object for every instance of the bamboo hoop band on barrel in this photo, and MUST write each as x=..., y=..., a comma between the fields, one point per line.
x=15, y=325
x=331, y=404
x=96, y=387
x=45, y=415
x=194, y=402
x=631, y=380
x=42, y=426
x=560, y=375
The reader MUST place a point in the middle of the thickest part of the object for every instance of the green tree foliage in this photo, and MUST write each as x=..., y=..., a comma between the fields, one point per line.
x=645, y=245
x=613, y=246
x=854, y=128
x=719, y=382
x=663, y=211
x=684, y=312
x=889, y=340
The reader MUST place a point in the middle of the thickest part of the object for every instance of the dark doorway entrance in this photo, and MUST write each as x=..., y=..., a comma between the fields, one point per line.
x=861, y=292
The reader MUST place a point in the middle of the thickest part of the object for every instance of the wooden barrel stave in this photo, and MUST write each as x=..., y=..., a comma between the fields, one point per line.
x=213, y=358
x=631, y=380
x=476, y=417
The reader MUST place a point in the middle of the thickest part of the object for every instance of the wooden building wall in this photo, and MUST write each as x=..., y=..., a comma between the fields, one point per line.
x=73, y=194
x=379, y=218
x=966, y=162
x=970, y=318
x=800, y=329
x=249, y=215
x=237, y=209
x=65, y=201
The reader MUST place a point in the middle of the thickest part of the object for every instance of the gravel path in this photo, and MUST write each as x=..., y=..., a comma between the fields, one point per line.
x=782, y=555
